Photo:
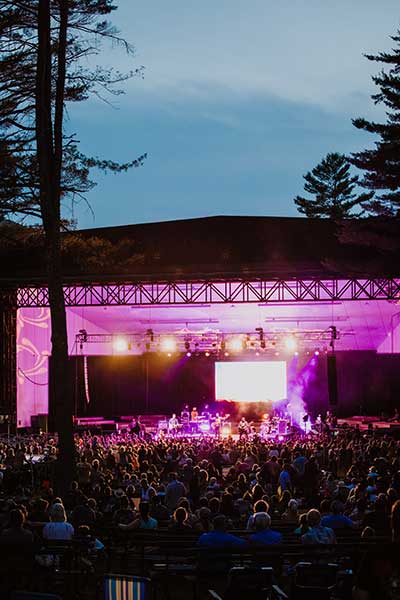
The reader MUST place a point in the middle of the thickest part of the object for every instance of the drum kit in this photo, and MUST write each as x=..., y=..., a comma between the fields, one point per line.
x=204, y=424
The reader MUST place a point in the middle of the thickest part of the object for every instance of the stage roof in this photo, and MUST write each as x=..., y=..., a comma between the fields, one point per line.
x=219, y=247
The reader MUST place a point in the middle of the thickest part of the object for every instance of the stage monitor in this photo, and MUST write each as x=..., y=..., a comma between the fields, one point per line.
x=258, y=381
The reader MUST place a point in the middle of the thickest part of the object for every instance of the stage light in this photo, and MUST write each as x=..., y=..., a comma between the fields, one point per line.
x=168, y=344
x=120, y=344
x=257, y=353
x=226, y=353
x=290, y=343
x=236, y=344
x=169, y=354
x=206, y=353
x=188, y=354
x=296, y=353
x=276, y=353
x=316, y=353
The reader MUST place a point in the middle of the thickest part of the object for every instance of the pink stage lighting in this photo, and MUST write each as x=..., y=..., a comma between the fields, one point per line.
x=168, y=344
x=120, y=344
x=291, y=343
x=236, y=344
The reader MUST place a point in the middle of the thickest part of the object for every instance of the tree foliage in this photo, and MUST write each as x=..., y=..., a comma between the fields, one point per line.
x=87, y=28
x=332, y=190
x=42, y=46
x=382, y=163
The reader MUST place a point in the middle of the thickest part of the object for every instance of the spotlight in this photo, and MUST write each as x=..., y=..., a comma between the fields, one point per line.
x=226, y=353
x=188, y=354
x=257, y=353
x=206, y=353
x=296, y=353
x=316, y=353
x=168, y=344
x=120, y=344
x=236, y=344
x=276, y=353
x=169, y=354
x=290, y=343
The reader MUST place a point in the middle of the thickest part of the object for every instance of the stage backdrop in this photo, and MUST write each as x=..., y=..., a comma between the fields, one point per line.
x=368, y=383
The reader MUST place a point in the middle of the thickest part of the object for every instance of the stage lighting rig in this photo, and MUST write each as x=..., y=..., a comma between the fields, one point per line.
x=334, y=336
x=260, y=332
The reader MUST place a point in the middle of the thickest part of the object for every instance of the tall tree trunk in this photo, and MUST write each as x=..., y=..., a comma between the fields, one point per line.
x=49, y=150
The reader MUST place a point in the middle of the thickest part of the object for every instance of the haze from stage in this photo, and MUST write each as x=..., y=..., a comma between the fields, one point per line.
x=250, y=381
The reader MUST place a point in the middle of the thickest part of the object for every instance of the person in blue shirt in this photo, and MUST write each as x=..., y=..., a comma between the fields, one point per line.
x=337, y=520
x=264, y=536
x=219, y=538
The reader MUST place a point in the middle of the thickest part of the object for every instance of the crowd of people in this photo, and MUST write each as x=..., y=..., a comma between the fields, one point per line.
x=225, y=493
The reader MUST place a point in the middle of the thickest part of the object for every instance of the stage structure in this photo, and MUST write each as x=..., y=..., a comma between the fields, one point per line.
x=281, y=302
x=218, y=292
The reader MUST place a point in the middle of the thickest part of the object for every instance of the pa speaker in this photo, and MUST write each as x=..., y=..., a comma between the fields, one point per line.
x=332, y=380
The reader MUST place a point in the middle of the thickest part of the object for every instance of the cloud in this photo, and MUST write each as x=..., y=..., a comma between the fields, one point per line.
x=302, y=50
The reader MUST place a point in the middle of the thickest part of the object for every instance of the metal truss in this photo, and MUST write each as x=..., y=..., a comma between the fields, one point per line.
x=218, y=292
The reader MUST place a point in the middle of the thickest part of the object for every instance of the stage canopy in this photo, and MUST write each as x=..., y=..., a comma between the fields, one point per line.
x=206, y=282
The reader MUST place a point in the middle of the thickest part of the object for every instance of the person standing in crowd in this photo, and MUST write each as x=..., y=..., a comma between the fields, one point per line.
x=174, y=492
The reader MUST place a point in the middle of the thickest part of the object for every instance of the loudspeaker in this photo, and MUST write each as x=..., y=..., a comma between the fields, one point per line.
x=332, y=379
x=39, y=423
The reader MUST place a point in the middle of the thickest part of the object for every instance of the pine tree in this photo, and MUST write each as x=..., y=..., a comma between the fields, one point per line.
x=332, y=187
x=382, y=163
x=43, y=48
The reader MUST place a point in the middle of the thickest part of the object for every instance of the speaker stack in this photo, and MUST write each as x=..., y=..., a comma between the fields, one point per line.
x=332, y=379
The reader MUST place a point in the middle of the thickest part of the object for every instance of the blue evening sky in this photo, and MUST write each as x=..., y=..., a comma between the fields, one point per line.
x=239, y=99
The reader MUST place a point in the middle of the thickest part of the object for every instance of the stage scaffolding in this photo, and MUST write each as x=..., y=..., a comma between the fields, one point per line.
x=200, y=291
x=217, y=292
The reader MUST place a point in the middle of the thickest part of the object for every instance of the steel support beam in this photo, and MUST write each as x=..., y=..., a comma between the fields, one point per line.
x=8, y=357
x=218, y=292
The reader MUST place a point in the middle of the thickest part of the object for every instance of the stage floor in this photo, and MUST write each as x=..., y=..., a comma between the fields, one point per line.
x=364, y=422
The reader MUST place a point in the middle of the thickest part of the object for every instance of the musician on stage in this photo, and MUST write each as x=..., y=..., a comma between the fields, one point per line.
x=205, y=413
x=306, y=420
x=194, y=415
x=217, y=424
x=173, y=424
x=243, y=428
x=136, y=426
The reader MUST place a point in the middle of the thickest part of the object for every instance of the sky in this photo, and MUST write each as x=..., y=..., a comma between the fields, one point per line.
x=238, y=101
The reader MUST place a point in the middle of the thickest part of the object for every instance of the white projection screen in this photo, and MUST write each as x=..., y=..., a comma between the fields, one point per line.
x=259, y=381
